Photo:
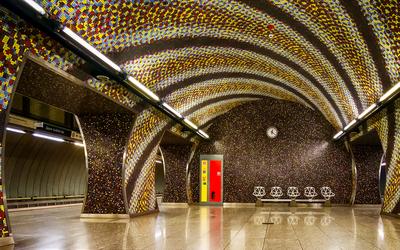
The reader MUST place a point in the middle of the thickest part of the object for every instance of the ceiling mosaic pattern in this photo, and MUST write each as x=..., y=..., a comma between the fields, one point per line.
x=336, y=54
x=204, y=115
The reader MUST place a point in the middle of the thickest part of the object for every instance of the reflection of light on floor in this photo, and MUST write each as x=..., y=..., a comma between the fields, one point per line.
x=158, y=234
x=294, y=218
x=204, y=226
x=276, y=219
x=381, y=230
x=326, y=220
x=258, y=220
x=309, y=220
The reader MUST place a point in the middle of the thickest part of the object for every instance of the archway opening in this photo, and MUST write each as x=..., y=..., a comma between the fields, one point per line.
x=160, y=176
x=172, y=161
x=44, y=156
x=370, y=165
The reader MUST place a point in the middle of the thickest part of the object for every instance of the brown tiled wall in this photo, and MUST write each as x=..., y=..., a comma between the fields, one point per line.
x=368, y=159
x=175, y=157
x=302, y=155
x=106, y=137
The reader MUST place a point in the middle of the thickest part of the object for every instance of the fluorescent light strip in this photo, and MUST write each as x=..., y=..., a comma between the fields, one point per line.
x=52, y=138
x=190, y=124
x=35, y=6
x=350, y=124
x=172, y=110
x=137, y=85
x=368, y=111
x=16, y=130
x=390, y=93
x=338, y=135
x=79, y=144
x=89, y=47
x=202, y=133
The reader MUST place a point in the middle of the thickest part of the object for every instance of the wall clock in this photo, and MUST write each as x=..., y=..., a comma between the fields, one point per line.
x=272, y=132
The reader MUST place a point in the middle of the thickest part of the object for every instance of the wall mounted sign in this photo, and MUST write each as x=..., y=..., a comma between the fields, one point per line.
x=55, y=130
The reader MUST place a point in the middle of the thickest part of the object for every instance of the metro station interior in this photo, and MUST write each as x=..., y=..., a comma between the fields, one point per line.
x=202, y=124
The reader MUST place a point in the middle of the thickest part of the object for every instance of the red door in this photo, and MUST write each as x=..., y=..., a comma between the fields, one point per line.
x=215, y=181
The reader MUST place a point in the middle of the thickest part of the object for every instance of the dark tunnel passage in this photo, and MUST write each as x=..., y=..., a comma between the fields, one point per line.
x=38, y=169
x=42, y=171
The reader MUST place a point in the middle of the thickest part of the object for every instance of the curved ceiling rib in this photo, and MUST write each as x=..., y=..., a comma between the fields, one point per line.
x=293, y=14
x=171, y=65
x=205, y=114
x=178, y=44
x=232, y=74
x=117, y=29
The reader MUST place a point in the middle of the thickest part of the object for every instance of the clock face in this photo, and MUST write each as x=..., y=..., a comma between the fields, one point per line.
x=272, y=132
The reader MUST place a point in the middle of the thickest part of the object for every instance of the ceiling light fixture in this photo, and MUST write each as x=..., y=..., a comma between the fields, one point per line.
x=350, y=124
x=368, y=111
x=35, y=6
x=339, y=134
x=390, y=93
x=203, y=134
x=142, y=89
x=384, y=100
x=171, y=110
x=89, y=47
x=52, y=138
x=20, y=131
x=190, y=124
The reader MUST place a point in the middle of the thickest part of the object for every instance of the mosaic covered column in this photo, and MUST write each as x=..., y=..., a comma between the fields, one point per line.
x=391, y=203
x=5, y=234
x=175, y=158
x=106, y=138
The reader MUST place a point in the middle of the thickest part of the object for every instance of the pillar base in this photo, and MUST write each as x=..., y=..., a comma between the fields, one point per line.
x=6, y=241
x=293, y=203
x=105, y=216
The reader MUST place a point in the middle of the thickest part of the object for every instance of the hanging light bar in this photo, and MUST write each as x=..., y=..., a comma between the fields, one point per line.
x=367, y=112
x=89, y=47
x=384, y=100
x=350, y=124
x=142, y=89
x=172, y=110
x=91, y=55
x=35, y=6
x=390, y=93
x=190, y=124
x=203, y=134
x=338, y=135
x=19, y=131
x=52, y=138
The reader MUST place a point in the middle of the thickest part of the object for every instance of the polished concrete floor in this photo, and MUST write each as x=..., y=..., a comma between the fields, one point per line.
x=210, y=228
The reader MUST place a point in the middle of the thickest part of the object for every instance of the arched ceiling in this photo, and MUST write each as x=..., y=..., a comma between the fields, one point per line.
x=334, y=56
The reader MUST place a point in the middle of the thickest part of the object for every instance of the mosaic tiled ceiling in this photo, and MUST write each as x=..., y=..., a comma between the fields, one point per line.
x=337, y=57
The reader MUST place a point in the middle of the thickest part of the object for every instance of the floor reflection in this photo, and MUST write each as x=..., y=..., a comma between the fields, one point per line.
x=210, y=228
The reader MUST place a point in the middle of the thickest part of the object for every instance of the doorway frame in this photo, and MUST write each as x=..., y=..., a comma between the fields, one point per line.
x=209, y=157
